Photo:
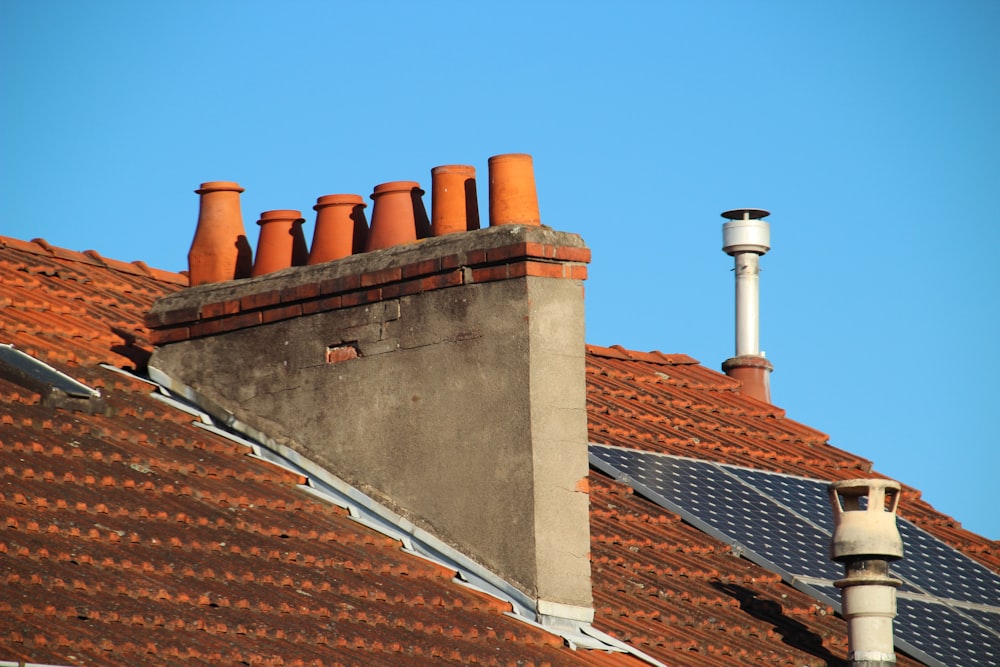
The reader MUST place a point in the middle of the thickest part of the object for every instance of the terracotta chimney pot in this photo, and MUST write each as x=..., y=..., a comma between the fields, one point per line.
x=513, y=199
x=220, y=250
x=398, y=215
x=454, y=204
x=341, y=228
x=281, y=242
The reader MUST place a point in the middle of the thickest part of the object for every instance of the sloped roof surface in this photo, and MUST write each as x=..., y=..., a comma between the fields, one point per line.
x=132, y=536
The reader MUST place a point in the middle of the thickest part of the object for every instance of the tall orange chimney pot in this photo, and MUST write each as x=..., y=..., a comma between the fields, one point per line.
x=454, y=204
x=398, y=215
x=281, y=243
x=220, y=250
x=341, y=228
x=513, y=198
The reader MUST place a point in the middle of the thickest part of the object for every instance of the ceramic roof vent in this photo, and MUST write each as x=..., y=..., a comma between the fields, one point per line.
x=746, y=237
x=866, y=540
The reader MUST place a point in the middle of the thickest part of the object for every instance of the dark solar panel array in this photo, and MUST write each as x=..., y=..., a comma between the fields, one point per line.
x=785, y=523
x=946, y=633
x=940, y=570
x=791, y=545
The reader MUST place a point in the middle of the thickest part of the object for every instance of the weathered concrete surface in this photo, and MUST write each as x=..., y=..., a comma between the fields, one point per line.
x=465, y=409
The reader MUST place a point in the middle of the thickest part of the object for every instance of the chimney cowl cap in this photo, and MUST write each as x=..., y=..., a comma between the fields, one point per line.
x=864, y=519
x=746, y=231
x=746, y=214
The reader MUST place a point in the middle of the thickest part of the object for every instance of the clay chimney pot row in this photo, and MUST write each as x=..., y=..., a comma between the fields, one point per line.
x=220, y=250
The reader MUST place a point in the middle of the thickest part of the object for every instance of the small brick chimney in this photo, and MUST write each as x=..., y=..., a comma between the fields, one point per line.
x=443, y=377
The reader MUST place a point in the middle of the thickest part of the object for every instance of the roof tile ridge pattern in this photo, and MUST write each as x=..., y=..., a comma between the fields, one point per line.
x=330, y=572
x=39, y=246
x=654, y=357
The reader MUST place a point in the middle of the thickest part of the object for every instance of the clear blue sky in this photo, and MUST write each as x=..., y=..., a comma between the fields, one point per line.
x=869, y=129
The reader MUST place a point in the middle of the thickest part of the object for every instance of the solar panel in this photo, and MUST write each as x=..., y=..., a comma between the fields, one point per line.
x=946, y=633
x=949, y=605
x=940, y=570
x=730, y=508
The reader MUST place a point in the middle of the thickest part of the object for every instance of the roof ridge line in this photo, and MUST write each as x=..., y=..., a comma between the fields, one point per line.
x=41, y=247
x=652, y=357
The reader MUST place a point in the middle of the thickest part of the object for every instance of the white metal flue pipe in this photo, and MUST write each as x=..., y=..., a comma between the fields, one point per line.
x=747, y=303
x=746, y=237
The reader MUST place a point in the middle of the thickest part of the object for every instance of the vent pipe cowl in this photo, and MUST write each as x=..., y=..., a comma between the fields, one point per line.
x=746, y=231
x=865, y=540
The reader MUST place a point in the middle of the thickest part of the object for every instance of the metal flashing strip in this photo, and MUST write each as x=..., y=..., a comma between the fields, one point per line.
x=128, y=374
x=778, y=521
x=365, y=510
x=37, y=375
x=164, y=396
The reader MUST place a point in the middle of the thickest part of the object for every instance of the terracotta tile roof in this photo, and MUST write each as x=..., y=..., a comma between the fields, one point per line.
x=132, y=535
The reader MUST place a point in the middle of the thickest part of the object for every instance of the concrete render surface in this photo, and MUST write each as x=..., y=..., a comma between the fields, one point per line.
x=462, y=408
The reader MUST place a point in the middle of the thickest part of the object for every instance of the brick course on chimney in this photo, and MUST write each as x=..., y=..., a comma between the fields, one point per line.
x=445, y=378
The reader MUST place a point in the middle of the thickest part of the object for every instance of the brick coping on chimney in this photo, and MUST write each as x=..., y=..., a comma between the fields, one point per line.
x=485, y=255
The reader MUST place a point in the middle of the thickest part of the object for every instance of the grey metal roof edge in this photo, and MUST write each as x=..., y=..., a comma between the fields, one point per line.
x=366, y=510
x=32, y=375
x=128, y=374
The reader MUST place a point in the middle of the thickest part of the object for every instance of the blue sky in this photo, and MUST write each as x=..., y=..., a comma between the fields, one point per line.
x=868, y=129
